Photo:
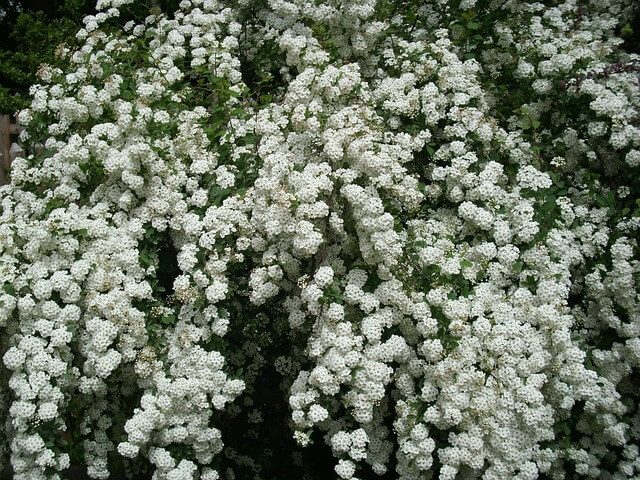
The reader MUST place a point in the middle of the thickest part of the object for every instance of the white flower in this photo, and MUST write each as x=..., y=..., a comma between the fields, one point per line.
x=216, y=291
x=317, y=413
x=324, y=276
x=345, y=469
x=14, y=358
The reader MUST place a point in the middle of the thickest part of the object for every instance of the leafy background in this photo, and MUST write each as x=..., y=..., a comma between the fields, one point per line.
x=31, y=32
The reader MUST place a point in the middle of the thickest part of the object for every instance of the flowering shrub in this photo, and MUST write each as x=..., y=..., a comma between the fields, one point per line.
x=405, y=231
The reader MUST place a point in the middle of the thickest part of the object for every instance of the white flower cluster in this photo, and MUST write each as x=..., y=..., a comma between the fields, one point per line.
x=420, y=221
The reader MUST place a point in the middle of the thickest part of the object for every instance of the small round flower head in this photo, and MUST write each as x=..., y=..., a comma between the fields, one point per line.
x=345, y=469
x=324, y=276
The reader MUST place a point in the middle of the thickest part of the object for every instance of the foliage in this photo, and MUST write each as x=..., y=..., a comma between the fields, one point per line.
x=31, y=33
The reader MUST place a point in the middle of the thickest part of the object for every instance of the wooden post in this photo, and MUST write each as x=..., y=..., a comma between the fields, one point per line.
x=5, y=147
x=16, y=151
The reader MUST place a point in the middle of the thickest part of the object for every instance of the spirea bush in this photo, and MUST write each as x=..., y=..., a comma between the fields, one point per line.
x=405, y=232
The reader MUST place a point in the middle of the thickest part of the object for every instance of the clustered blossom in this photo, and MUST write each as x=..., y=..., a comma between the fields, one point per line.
x=392, y=211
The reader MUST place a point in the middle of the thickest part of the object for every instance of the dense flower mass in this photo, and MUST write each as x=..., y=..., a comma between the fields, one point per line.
x=404, y=232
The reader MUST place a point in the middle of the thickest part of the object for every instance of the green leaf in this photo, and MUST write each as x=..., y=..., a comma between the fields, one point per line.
x=148, y=233
x=145, y=259
x=531, y=283
x=52, y=204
